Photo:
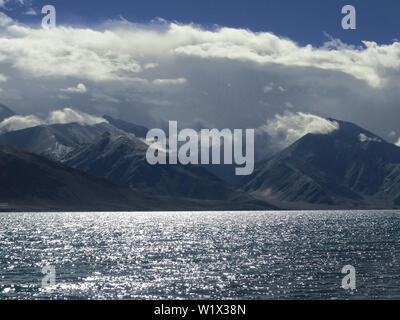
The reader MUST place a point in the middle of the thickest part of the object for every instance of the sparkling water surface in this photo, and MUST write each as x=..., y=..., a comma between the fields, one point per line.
x=200, y=255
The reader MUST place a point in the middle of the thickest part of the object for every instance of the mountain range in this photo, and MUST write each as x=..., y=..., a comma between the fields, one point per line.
x=138, y=131
x=32, y=182
x=103, y=167
x=123, y=160
x=56, y=140
x=29, y=182
x=347, y=168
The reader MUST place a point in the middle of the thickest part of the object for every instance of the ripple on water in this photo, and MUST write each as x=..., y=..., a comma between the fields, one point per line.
x=249, y=255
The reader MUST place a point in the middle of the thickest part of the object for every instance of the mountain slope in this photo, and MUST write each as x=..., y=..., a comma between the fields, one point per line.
x=123, y=160
x=32, y=182
x=54, y=141
x=5, y=112
x=350, y=167
x=138, y=131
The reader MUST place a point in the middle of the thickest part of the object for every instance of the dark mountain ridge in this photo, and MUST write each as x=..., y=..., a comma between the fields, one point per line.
x=138, y=131
x=123, y=160
x=29, y=182
x=349, y=167
x=54, y=141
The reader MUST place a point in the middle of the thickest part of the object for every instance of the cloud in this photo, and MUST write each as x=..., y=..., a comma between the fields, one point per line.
x=69, y=115
x=289, y=105
x=281, y=89
x=48, y=53
x=4, y=19
x=169, y=81
x=151, y=65
x=271, y=87
x=20, y=122
x=30, y=12
x=285, y=129
x=102, y=55
x=154, y=72
x=63, y=116
x=80, y=88
x=364, y=138
x=268, y=88
x=3, y=78
x=3, y=3
x=266, y=48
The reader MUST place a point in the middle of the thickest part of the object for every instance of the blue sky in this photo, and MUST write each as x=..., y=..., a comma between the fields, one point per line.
x=303, y=21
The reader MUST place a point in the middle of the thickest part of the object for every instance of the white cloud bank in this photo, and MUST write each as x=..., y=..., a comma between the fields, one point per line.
x=117, y=52
x=20, y=122
x=287, y=128
x=63, y=116
x=267, y=48
x=69, y=115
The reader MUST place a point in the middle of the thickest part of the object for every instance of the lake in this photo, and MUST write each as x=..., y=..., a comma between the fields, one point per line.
x=200, y=255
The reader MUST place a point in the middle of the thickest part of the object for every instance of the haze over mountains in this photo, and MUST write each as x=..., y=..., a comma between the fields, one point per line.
x=103, y=166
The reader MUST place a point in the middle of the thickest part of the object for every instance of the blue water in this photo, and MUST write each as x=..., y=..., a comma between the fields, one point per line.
x=221, y=255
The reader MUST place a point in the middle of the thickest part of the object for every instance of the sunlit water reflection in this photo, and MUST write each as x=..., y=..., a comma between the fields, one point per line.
x=246, y=255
